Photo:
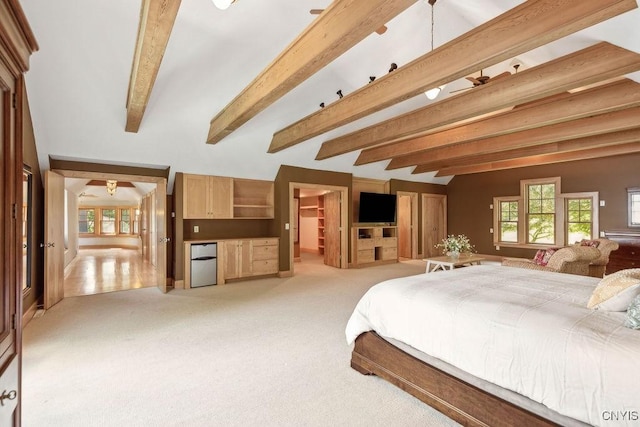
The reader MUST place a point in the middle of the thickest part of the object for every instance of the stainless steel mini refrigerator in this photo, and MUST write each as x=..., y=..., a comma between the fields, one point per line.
x=204, y=264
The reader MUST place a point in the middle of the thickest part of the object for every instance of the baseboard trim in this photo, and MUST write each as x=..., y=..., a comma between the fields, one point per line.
x=285, y=273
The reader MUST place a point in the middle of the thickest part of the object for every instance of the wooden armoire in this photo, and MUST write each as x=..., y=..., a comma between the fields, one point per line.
x=16, y=45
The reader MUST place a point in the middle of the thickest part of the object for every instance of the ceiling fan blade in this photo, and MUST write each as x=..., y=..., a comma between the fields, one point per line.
x=473, y=80
x=501, y=75
x=460, y=90
x=316, y=11
x=382, y=30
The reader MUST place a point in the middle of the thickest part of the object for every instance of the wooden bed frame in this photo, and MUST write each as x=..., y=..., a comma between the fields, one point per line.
x=455, y=398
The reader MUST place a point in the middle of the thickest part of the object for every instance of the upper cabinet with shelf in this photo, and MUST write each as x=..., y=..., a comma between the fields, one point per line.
x=216, y=197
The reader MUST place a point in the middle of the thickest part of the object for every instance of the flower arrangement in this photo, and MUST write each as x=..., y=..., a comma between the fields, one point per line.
x=453, y=245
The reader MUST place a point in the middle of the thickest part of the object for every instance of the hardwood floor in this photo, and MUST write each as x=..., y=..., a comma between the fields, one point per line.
x=96, y=271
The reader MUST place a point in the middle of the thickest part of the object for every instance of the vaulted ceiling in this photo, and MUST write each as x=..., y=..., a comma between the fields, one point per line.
x=238, y=92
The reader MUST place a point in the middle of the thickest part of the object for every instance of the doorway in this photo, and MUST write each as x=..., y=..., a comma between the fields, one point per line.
x=99, y=237
x=318, y=217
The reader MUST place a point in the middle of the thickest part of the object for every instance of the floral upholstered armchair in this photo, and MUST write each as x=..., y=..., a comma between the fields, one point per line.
x=571, y=259
x=605, y=246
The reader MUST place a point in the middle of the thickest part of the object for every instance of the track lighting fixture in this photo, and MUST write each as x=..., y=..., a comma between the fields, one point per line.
x=394, y=66
x=339, y=93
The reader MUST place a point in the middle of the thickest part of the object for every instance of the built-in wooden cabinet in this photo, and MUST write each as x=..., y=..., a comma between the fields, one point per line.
x=217, y=197
x=250, y=257
x=207, y=197
x=239, y=258
x=374, y=245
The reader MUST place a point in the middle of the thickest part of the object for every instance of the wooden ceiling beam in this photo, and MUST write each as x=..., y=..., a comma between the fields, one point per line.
x=340, y=27
x=521, y=29
x=594, y=153
x=596, y=63
x=156, y=22
x=595, y=125
x=610, y=97
x=608, y=139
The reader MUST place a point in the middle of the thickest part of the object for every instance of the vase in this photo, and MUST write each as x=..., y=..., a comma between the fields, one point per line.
x=453, y=254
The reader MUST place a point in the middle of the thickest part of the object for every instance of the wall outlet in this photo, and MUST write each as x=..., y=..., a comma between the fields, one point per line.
x=602, y=203
x=196, y=229
x=602, y=234
x=497, y=248
x=491, y=206
x=491, y=230
x=286, y=226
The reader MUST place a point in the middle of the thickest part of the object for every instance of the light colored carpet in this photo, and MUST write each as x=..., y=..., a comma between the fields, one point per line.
x=268, y=352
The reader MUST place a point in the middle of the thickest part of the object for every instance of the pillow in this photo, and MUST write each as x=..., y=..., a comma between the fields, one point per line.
x=543, y=255
x=616, y=291
x=592, y=243
x=633, y=314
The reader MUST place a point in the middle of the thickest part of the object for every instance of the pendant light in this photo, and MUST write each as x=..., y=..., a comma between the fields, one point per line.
x=434, y=92
x=223, y=4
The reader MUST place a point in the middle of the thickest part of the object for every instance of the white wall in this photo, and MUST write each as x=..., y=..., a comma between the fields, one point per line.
x=309, y=230
x=111, y=241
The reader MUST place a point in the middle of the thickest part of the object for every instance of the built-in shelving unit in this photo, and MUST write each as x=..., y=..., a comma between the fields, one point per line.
x=321, y=225
x=374, y=245
x=214, y=197
x=252, y=199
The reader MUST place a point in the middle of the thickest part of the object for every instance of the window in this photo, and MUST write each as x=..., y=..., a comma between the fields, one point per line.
x=125, y=221
x=508, y=223
x=579, y=219
x=542, y=215
x=634, y=206
x=86, y=220
x=108, y=221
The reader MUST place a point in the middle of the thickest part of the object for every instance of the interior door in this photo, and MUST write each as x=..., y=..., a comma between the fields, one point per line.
x=404, y=227
x=54, y=239
x=332, y=229
x=434, y=223
x=160, y=223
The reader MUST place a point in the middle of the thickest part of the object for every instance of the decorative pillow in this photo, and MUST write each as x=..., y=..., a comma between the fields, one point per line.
x=592, y=243
x=633, y=314
x=543, y=255
x=616, y=291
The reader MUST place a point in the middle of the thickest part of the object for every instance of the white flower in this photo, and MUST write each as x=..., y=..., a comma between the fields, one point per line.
x=459, y=243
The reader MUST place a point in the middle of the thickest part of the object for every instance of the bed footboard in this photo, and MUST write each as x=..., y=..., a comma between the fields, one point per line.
x=457, y=399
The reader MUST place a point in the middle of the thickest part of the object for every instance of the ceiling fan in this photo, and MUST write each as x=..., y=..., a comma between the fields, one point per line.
x=380, y=30
x=484, y=79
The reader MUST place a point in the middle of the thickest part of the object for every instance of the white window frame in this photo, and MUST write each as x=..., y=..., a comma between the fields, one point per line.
x=560, y=214
x=633, y=191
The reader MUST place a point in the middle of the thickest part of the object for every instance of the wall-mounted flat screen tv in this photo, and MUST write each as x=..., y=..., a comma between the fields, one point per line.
x=377, y=208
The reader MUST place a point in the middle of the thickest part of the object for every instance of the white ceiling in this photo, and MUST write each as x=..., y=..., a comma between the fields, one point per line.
x=78, y=81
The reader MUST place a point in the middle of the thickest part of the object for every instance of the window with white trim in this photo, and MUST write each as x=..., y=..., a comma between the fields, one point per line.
x=634, y=206
x=543, y=216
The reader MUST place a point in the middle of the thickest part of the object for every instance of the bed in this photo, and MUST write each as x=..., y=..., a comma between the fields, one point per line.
x=495, y=345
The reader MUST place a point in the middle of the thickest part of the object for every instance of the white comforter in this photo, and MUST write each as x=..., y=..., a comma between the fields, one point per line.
x=524, y=330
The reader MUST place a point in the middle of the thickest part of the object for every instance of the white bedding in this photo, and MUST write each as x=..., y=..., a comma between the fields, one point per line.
x=524, y=330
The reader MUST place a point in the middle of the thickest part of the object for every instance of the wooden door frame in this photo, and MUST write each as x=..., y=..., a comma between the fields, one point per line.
x=414, y=220
x=424, y=198
x=344, y=219
x=159, y=181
